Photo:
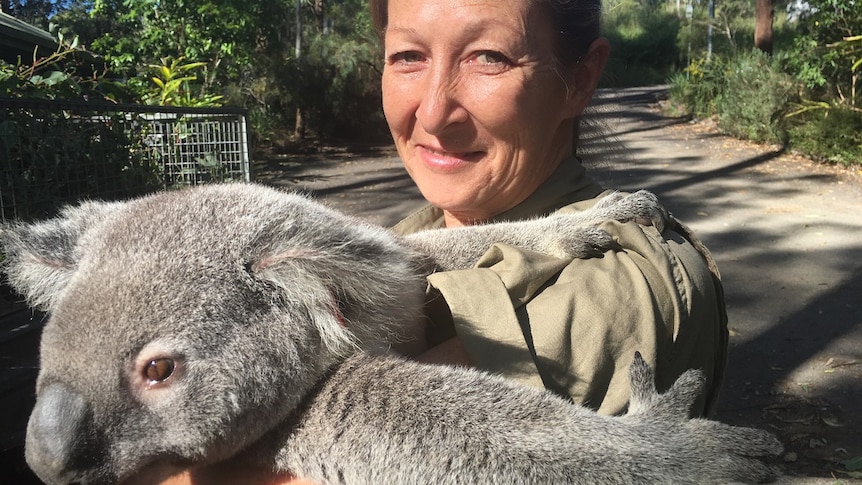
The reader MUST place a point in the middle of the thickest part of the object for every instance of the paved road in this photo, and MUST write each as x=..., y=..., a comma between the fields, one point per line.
x=787, y=235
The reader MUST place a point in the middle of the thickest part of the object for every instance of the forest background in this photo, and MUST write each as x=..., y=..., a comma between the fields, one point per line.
x=774, y=71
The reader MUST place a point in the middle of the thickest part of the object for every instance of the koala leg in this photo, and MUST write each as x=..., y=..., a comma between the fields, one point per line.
x=385, y=420
x=714, y=449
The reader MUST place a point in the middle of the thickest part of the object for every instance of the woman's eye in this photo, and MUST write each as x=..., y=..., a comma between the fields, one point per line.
x=405, y=57
x=491, y=58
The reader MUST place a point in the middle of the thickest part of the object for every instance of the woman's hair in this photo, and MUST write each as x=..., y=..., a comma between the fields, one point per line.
x=578, y=25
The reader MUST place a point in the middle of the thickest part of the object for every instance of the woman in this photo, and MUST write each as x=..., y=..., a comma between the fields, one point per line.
x=483, y=99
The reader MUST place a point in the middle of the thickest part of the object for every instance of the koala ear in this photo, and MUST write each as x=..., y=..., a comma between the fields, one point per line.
x=41, y=257
x=359, y=284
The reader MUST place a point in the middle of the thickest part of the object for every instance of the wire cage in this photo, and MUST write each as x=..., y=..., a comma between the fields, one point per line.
x=57, y=152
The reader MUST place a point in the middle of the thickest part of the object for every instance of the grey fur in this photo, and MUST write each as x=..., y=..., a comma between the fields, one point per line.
x=264, y=300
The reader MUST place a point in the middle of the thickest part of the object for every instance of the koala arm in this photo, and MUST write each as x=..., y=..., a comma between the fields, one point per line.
x=564, y=234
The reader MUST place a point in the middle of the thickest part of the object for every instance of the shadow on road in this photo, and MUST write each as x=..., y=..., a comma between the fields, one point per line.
x=785, y=234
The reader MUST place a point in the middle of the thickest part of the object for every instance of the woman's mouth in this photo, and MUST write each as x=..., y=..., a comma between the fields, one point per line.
x=447, y=161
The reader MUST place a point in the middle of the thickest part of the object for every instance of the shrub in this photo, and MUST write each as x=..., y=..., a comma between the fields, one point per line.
x=832, y=135
x=698, y=87
x=747, y=92
x=754, y=98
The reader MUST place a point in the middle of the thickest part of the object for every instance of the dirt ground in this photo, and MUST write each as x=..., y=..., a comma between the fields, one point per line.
x=786, y=232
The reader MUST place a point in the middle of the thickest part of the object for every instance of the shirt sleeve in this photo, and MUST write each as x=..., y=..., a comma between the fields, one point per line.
x=573, y=326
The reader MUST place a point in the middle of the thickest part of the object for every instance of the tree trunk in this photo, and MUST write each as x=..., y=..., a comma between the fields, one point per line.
x=298, y=43
x=763, y=25
x=299, y=128
x=318, y=14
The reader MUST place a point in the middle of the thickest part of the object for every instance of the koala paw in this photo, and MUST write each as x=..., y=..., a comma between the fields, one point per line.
x=671, y=405
x=578, y=241
x=642, y=207
x=713, y=451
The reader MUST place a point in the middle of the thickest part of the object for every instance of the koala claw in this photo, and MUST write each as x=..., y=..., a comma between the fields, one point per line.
x=583, y=242
x=642, y=207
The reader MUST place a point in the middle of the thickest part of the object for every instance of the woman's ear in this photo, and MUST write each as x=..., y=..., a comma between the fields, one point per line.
x=584, y=76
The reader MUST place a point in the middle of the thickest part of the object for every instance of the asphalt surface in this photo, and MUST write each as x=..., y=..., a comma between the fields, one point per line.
x=786, y=233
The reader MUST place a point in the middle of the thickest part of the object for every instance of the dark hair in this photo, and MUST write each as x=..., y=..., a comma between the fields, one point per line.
x=578, y=23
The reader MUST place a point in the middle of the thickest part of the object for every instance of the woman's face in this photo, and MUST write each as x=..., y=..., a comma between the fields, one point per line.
x=479, y=114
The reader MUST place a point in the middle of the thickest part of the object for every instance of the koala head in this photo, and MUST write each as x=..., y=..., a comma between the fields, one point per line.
x=184, y=325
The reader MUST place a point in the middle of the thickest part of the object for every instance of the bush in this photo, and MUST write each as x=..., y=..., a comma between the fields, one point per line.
x=831, y=135
x=754, y=98
x=747, y=92
x=698, y=86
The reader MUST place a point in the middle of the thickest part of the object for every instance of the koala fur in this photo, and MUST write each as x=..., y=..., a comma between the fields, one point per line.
x=235, y=320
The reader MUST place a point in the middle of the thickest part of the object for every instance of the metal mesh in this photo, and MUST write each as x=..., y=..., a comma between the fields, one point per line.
x=53, y=153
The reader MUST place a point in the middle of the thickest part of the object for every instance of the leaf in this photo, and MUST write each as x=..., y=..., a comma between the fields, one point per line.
x=192, y=65
x=209, y=160
x=55, y=77
x=853, y=464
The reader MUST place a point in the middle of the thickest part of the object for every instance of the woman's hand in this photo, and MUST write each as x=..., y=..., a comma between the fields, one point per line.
x=230, y=473
x=450, y=352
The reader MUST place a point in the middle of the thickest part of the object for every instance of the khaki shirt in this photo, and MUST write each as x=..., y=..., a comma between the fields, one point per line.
x=573, y=326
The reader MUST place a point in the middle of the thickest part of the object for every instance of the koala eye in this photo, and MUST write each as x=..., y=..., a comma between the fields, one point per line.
x=158, y=370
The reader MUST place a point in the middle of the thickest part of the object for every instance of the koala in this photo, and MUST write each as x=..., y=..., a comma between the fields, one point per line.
x=241, y=322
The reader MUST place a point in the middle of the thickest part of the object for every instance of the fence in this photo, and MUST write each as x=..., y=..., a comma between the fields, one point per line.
x=57, y=152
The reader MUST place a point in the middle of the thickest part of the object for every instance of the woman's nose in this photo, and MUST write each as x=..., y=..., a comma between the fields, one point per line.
x=441, y=105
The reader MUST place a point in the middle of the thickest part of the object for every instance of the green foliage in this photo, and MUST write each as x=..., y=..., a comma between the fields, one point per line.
x=68, y=73
x=34, y=12
x=340, y=89
x=245, y=53
x=748, y=93
x=854, y=465
x=57, y=156
x=806, y=96
x=196, y=41
x=754, y=98
x=832, y=135
x=826, y=54
x=172, y=85
x=698, y=86
x=136, y=33
x=643, y=43
x=826, y=121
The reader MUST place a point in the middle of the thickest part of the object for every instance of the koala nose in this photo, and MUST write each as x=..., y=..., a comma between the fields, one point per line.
x=57, y=434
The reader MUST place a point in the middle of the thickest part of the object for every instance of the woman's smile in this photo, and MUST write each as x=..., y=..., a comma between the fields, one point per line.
x=440, y=160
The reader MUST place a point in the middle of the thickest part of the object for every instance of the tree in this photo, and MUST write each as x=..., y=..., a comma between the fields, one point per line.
x=764, y=16
x=34, y=12
x=248, y=51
